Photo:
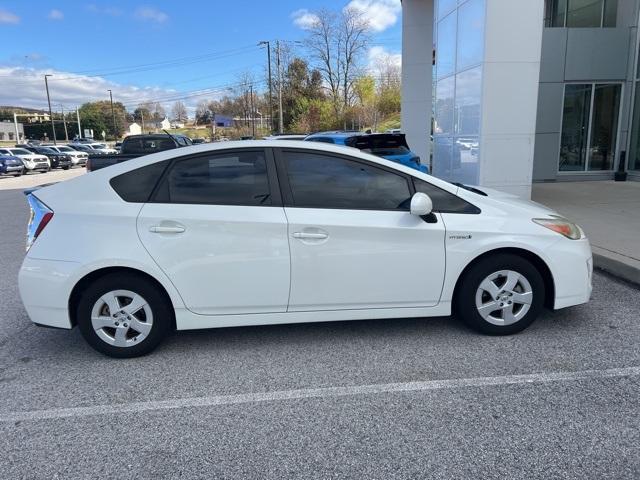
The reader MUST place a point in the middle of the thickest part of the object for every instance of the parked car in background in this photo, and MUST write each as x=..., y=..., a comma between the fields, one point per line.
x=11, y=165
x=135, y=146
x=392, y=146
x=77, y=158
x=104, y=149
x=197, y=141
x=117, y=146
x=57, y=159
x=33, y=162
x=286, y=136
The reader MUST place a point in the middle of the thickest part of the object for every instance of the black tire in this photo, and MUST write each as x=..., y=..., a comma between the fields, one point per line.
x=17, y=174
x=160, y=306
x=465, y=299
x=65, y=168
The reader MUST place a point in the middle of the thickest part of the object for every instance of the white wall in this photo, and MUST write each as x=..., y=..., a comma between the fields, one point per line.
x=417, y=43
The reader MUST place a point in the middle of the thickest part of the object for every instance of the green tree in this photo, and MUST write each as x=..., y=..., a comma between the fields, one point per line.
x=97, y=116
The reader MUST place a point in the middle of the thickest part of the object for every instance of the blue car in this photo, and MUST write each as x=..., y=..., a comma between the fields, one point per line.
x=11, y=165
x=392, y=146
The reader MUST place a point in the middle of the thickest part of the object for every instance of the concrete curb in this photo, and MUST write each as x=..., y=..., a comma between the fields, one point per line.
x=617, y=268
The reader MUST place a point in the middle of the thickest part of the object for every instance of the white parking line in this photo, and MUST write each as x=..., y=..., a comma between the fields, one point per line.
x=284, y=395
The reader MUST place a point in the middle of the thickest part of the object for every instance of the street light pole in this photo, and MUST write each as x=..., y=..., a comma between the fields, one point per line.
x=268, y=44
x=53, y=127
x=64, y=121
x=113, y=115
x=78, y=119
x=280, y=116
x=253, y=115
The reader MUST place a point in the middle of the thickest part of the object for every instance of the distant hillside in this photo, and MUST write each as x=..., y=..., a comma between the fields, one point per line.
x=22, y=109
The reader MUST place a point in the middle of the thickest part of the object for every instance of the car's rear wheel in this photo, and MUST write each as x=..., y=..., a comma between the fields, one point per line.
x=123, y=315
x=500, y=295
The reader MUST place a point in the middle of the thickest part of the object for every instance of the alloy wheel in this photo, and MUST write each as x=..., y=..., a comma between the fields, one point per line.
x=122, y=318
x=504, y=297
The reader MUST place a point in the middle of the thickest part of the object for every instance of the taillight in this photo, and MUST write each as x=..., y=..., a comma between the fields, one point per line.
x=41, y=215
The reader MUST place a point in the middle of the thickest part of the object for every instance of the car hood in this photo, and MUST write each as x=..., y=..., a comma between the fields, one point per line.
x=508, y=201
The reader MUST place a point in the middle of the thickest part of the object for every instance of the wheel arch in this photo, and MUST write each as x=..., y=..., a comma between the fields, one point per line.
x=76, y=292
x=536, y=261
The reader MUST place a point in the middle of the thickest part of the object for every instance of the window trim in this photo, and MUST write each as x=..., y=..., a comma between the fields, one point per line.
x=285, y=186
x=272, y=178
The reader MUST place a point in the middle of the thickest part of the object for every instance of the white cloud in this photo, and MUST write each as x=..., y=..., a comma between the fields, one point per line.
x=151, y=14
x=304, y=19
x=379, y=14
x=110, y=11
x=56, y=15
x=24, y=87
x=379, y=59
x=8, y=17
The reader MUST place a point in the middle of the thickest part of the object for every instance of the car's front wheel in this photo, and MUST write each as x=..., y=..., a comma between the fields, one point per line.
x=500, y=295
x=123, y=315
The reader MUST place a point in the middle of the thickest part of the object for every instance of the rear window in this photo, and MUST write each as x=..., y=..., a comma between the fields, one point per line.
x=148, y=145
x=137, y=185
x=380, y=145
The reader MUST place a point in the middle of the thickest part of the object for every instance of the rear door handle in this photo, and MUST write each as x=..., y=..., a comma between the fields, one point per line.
x=166, y=229
x=310, y=236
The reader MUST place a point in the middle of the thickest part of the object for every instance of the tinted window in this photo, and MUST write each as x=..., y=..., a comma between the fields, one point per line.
x=137, y=185
x=443, y=201
x=148, y=145
x=238, y=178
x=320, y=181
x=321, y=139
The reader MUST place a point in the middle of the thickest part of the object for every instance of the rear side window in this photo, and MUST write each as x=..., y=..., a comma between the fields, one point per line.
x=322, y=181
x=235, y=178
x=443, y=201
x=137, y=185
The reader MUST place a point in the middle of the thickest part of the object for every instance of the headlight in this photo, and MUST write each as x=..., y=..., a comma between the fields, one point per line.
x=562, y=226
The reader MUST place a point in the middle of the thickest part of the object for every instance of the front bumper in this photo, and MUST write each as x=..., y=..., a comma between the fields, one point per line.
x=571, y=265
x=37, y=166
x=11, y=169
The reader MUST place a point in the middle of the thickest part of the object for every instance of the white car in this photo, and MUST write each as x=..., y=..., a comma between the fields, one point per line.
x=255, y=233
x=77, y=158
x=32, y=161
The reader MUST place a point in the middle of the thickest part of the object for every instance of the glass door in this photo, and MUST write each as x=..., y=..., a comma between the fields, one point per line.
x=589, y=127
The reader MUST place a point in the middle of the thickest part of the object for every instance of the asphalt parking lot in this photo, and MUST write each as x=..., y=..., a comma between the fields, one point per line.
x=368, y=399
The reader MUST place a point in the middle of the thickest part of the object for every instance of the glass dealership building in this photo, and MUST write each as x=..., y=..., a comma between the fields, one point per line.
x=523, y=90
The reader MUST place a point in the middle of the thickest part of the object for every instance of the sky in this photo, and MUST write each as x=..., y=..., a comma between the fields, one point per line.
x=161, y=50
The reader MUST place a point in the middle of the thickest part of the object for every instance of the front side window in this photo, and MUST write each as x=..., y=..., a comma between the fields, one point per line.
x=443, y=201
x=234, y=178
x=322, y=181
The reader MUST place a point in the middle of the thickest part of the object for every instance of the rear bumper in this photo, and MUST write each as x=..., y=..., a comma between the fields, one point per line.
x=45, y=289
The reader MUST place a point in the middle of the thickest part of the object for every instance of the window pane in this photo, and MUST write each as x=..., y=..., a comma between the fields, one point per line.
x=610, y=13
x=604, y=129
x=137, y=185
x=555, y=13
x=470, y=34
x=584, y=13
x=446, y=46
x=445, y=7
x=320, y=181
x=467, y=105
x=445, y=90
x=634, y=148
x=443, y=201
x=575, y=126
x=225, y=179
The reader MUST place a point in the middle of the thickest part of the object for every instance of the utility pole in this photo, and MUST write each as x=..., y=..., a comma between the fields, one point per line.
x=113, y=115
x=280, y=117
x=213, y=126
x=64, y=121
x=268, y=44
x=142, y=120
x=53, y=127
x=78, y=118
x=253, y=114
x=15, y=126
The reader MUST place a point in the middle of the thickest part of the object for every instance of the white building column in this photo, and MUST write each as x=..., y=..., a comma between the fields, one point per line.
x=417, y=44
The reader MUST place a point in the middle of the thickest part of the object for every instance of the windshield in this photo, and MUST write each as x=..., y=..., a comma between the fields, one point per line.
x=20, y=151
x=46, y=150
x=65, y=149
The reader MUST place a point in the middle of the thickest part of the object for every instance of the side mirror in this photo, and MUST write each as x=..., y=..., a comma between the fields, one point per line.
x=421, y=204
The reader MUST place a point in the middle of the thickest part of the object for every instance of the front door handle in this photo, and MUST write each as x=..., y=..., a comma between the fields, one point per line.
x=310, y=236
x=166, y=229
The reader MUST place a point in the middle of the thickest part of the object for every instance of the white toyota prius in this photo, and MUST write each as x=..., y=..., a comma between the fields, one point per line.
x=253, y=233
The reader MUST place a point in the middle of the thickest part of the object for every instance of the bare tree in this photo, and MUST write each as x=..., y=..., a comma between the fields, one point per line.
x=179, y=111
x=335, y=42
